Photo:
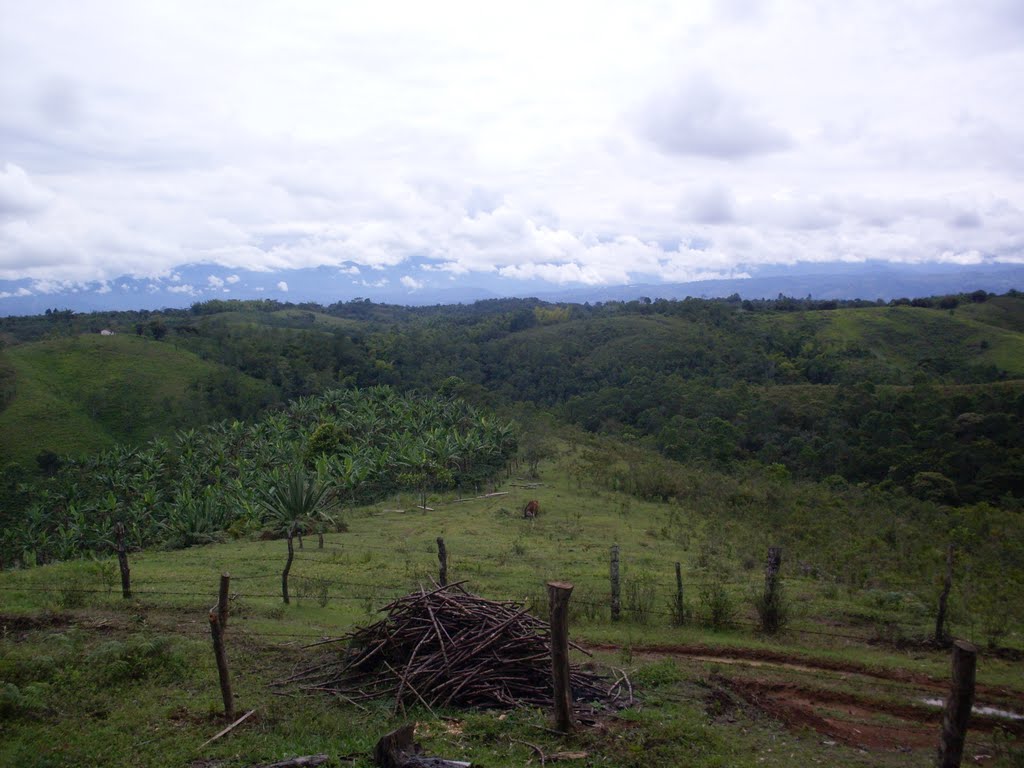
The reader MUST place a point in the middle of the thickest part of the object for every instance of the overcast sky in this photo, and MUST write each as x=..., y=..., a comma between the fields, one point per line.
x=591, y=142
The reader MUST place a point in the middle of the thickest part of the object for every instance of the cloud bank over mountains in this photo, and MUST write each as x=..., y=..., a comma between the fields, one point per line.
x=558, y=145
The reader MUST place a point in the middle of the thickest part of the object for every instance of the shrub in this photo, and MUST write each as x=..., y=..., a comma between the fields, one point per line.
x=135, y=659
x=640, y=596
x=772, y=609
x=663, y=672
x=25, y=701
x=717, y=609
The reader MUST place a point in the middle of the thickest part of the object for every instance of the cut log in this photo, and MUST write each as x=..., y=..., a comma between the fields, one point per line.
x=398, y=750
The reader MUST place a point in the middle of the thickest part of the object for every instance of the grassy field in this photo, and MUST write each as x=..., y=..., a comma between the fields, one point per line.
x=902, y=337
x=85, y=393
x=91, y=679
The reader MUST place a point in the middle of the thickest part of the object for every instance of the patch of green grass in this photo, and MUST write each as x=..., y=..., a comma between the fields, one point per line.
x=86, y=393
x=111, y=681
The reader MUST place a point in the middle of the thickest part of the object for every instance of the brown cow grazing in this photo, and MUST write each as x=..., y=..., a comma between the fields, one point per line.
x=532, y=509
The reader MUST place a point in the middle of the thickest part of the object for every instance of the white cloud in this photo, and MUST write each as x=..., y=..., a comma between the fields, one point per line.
x=589, y=155
x=411, y=283
x=282, y=286
x=698, y=117
x=19, y=194
x=183, y=288
x=13, y=294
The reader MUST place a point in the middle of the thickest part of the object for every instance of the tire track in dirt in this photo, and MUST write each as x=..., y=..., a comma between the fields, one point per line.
x=797, y=662
x=851, y=718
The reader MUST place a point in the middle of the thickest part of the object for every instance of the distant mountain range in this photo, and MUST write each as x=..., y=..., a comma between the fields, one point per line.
x=324, y=285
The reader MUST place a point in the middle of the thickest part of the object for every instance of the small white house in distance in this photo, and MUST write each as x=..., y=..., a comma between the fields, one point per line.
x=106, y=332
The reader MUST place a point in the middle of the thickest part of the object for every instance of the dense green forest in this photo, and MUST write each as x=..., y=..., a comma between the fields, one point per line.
x=924, y=395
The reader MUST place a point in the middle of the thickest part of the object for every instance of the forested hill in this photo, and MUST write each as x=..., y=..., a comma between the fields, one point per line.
x=924, y=395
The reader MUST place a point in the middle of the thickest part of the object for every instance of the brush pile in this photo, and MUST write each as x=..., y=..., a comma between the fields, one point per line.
x=450, y=648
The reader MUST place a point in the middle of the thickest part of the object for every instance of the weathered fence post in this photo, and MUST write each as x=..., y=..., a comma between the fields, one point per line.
x=222, y=601
x=442, y=559
x=558, y=596
x=771, y=569
x=122, y=561
x=958, y=705
x=680, y=611
x=217, y=633
x=940, y=618
x=287, y=566
x=614, y=574
x=771, y=608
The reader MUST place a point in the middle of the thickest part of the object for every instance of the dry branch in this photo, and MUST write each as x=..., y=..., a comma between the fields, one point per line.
x=448, y=647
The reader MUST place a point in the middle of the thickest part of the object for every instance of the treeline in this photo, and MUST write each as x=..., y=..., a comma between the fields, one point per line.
x=919, y=394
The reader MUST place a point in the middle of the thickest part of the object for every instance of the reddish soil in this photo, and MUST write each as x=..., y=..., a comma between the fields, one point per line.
x=849, y=718
x=852, y=719
x=806, y=663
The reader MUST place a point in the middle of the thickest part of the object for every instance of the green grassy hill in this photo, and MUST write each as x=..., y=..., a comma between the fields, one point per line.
x=903, y=340
x=84, y=393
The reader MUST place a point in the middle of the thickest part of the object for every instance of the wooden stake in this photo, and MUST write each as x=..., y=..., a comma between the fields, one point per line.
x=940, y=618
x=680, y=611
x=616, y=599
x=287, y=567
x=222, y=600
x=771, y=569
x=122, y=561
x=958, y=705
x=442, y=558
x=559, y=593
x=217, y=633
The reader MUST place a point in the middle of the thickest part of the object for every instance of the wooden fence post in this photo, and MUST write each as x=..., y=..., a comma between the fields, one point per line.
x=287, y=567
x=222, y=601
x=771, y=569
x=122, y=561
x=558, y=596
x=680, y=611
x=442, y=559
x=940, y=619
x=217, y=633
x=958, y=705
x=614, y=573
x=771, y=609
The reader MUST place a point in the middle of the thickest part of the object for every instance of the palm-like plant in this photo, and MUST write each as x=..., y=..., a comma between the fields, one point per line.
x=289, y=505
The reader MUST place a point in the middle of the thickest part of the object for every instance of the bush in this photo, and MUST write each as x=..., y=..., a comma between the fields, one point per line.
x=681, y=612
x=717, y=609
x=772, y=609
x=74, y=587
x=640, y=596
x=135, y=659
x=26, y=701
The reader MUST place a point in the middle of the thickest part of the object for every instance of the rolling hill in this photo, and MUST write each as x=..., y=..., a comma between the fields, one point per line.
x=80, y=394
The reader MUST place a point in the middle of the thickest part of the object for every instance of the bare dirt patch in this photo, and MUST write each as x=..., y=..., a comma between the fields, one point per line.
x=847, y=717
x=796, y=662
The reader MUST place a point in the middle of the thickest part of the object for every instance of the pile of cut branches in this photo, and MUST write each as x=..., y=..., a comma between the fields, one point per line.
x=448, y=647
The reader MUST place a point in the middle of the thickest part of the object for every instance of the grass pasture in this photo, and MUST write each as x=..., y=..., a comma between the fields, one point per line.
x=91, y=679
x=85, y=393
